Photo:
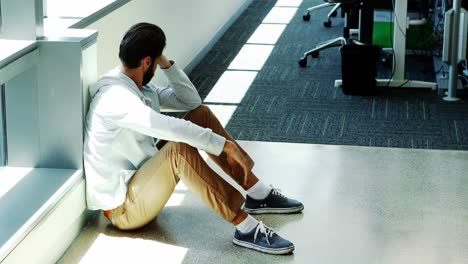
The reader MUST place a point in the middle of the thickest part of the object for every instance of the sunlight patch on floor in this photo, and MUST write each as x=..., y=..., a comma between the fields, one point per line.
x=231, y=87
x=267, y=34
x=109, y=249
x=291, y=3
x=280, y=15
x=251, y=57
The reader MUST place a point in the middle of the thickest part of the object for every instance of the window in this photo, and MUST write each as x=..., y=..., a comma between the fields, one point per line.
x=0, y=16
x=3, y=153
x=40, y=118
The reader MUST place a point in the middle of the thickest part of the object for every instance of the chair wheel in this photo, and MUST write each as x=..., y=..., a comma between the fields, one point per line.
x=315, y=54
x=306, y=17
x=303, y=62
x=327, y=23
x=334, y=14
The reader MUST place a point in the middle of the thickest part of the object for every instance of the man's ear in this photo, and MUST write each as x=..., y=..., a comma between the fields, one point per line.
x=146, y=62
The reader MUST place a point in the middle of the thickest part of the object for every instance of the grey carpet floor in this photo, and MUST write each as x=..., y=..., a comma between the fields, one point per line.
x=287, y=103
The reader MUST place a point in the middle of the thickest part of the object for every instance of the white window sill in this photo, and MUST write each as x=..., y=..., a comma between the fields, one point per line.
x=13, y=49
x=27, y=196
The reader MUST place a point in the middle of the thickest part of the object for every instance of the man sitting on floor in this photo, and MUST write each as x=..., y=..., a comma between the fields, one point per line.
x=131, y=179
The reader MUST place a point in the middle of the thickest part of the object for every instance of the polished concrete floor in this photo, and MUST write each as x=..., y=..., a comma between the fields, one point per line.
x=362, y=205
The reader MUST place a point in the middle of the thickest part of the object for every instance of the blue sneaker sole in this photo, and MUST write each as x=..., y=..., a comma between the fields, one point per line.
x=273, y=251
x=269, y=210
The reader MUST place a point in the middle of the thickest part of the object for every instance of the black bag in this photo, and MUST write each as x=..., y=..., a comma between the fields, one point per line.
x=359, y=68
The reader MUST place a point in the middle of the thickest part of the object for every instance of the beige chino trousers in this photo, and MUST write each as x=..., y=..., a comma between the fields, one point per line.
x=152, y=185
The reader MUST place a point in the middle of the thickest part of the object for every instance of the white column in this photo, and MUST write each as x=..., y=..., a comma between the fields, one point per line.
x=45, y=104
x=66, y=67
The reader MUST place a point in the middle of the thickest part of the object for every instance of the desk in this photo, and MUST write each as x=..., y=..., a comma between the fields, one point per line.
x=399, y=46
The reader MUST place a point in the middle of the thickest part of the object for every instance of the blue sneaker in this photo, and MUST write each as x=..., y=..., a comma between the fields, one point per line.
x=263, y=239
x=274, y=203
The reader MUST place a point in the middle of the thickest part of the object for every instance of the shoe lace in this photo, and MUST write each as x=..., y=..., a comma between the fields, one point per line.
x=277, y=192
x=262, y=228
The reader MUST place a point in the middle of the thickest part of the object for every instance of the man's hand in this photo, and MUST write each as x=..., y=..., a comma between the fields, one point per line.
x=236, y=158
x=163, y=62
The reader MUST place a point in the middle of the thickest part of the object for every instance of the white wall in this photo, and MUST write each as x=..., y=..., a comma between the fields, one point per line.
x=191, y=26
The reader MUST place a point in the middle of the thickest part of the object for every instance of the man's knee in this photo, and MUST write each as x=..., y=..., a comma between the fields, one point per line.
x=181, y=148
x=200, y=115
x=202, y=108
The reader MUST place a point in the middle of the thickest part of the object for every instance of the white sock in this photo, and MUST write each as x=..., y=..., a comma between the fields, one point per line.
x=259, y=191
x=247, y=225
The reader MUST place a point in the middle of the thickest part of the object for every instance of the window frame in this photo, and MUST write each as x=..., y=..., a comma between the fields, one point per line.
x=3, y=131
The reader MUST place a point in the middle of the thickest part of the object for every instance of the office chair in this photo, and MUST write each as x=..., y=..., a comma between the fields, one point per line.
x=332, y=13
x=347, y=6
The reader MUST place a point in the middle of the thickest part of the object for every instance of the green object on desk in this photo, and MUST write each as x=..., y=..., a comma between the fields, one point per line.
x=418, y=37
x=383, y=34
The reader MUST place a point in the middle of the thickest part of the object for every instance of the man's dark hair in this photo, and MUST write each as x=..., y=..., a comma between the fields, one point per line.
x=141, y=40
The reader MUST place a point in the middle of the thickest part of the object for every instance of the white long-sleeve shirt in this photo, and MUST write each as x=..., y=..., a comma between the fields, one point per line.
x=122, y=123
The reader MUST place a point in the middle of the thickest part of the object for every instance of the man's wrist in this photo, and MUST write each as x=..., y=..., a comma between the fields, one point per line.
x=227, y=146
x=165, y=63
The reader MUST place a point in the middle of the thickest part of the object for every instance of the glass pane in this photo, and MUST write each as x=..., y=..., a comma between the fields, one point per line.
x=2, y=127
x=0, y=16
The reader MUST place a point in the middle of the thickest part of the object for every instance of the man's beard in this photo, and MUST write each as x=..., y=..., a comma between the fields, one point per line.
x=148, y=74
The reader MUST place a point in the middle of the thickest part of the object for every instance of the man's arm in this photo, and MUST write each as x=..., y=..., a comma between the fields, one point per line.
x=180, y=94
x=234, y=155
x=236, y=158
x=123, y=109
